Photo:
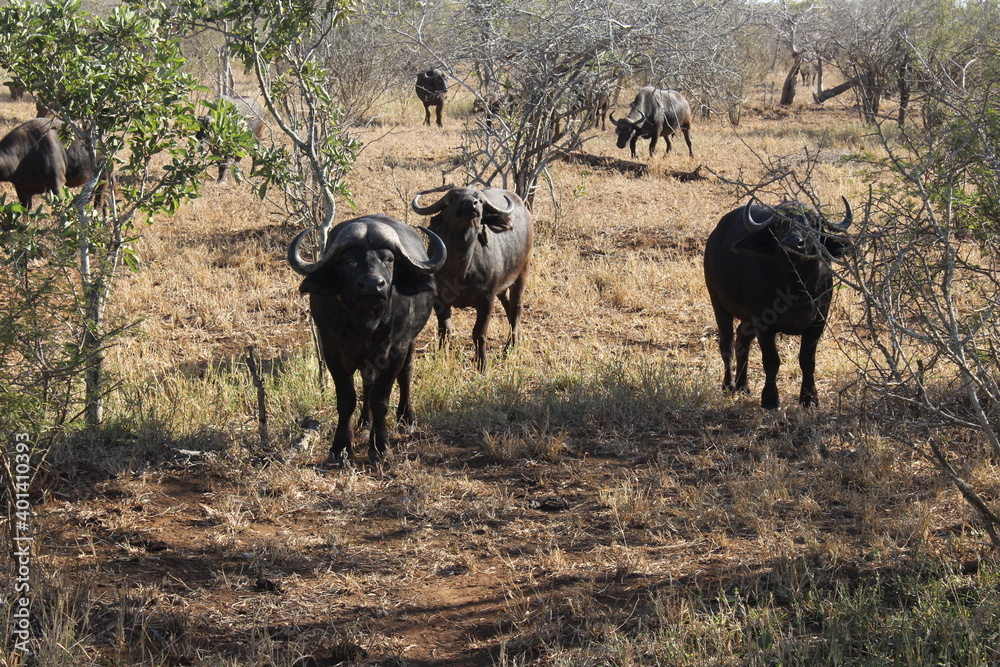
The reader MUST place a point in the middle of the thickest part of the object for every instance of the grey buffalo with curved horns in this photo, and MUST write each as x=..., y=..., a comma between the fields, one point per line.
x=489, y=235
x=370, y=295
x=769, y=267
x=655, y=113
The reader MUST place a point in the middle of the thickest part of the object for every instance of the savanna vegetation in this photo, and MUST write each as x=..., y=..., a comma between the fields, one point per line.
x=592, y=499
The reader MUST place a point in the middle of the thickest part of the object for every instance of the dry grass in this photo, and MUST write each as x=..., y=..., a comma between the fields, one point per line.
x=592, y=499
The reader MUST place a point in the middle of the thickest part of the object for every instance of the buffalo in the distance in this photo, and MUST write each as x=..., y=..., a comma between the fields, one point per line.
x=253, y=119
x=370, y=295
x=654, y=113
x=432, y=88
x=489, y=236
x=769, y=267
x=592, y=99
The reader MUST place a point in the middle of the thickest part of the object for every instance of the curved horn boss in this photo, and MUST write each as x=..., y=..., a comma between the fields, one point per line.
x=436, y=206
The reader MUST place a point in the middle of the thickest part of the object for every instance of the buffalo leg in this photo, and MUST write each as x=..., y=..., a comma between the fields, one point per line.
x=772, y=362
x=24, y=196
x=511, y=302
x=379, y=392
x=725, y=323
x=686, y=129
x=652, y=143
x=484, y=311
x=807, y=362
x=443, y=313
x=369, y=371
x=632, y=142
x=666, y=140
x=439, y=108
x=404, y=411
x=427, y=114
x=347, y=400
x=745, y=334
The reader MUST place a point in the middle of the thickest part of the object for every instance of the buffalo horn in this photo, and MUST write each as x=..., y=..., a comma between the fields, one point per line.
x=611, y=116
x=493, y=204
x=438, y=253
x=433, y=208
x=848, y=218
x=295, y=259
x=750, y=223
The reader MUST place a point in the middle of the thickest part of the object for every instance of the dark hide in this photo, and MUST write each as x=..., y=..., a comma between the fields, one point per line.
x=488, y=254
x=655, y=113
x=34, y=159
x=253, y=117
x=775, y=279
x=369, y=298
x=432, y=87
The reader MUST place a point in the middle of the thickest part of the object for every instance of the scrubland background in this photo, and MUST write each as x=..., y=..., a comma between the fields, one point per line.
x=593, y=499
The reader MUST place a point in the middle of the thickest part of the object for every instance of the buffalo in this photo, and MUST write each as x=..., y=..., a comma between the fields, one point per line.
x=253, y=118
x=489, y=235
x=655, y=113
x=492, y=103
x=592, y=98
x=17, y=91
x=599, y=103
x=432, y=87
x=769, y=268
x=35, y=160
x=370, y=295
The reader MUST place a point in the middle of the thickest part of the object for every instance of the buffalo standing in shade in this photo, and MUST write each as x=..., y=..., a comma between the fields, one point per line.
x=370, y=295
x=769, y=268
x=489, y=235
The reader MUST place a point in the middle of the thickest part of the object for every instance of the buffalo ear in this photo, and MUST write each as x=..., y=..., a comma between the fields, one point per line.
x=408, y=280
x=837, y=246
x=498, y=222
x=323, y=281
x=761, y=242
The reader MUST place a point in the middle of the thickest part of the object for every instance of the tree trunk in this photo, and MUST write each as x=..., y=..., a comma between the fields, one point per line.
x=904, y=92
x=791, y=82
x=824, y=95
x=93, y=352
x=90, y=343
x=225, y=82
x=870, y=91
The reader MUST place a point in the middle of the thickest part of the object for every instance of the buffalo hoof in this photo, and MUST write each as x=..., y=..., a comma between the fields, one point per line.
x=769, y=401
x=338, y=459
x=406, y=416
